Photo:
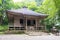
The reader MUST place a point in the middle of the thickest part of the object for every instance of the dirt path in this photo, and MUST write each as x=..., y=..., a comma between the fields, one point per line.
x=26, y=37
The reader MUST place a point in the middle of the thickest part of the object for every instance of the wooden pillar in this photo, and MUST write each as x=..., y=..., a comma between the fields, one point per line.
x=26, y=23
x=36, y=23
x=45, y=27
x=11, y=20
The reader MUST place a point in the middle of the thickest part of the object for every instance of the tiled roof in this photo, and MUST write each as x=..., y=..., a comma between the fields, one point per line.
x=26, y=11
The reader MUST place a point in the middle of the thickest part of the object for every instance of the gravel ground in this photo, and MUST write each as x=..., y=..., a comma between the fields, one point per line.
x=27, y=37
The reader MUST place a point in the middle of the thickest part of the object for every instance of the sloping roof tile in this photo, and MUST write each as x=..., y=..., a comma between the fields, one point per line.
x=26, y=11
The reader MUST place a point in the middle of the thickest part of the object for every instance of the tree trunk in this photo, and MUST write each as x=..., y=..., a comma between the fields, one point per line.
x=0, y=20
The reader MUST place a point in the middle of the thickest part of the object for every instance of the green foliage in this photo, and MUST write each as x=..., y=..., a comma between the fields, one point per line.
x=0, y=14
x=32, y=6
x=57, y=4
x=4, y=5
x=48, y=7
x=48, y=27
x=3, y=28
x=51, y=7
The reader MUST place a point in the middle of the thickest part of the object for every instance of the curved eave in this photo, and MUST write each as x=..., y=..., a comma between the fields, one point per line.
x=28, y=12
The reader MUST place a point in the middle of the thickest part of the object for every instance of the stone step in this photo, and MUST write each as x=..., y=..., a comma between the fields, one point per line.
x=36, y=33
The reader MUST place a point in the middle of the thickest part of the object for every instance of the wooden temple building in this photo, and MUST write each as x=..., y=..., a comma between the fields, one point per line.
x=25, y=19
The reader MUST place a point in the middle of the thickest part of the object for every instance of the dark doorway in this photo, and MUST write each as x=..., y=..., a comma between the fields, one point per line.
x=30, y=22
x=21, y=21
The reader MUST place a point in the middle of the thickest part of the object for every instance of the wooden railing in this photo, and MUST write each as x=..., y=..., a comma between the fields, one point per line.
x=16, y=28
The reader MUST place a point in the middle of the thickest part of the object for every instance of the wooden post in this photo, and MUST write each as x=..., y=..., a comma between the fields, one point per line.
x=26, y=23
x=45, y=27
x=36, y=23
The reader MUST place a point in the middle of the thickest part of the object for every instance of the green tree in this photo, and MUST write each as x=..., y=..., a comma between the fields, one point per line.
x=57, y=4
x=4, y=5
x=39, y=2
x=48, y=7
